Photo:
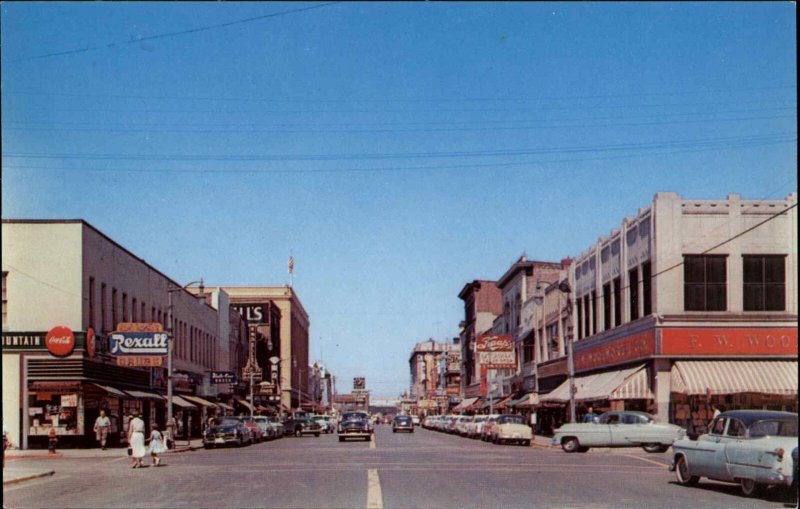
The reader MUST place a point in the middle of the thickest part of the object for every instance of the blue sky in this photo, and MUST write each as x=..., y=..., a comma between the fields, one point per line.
x=397, y=150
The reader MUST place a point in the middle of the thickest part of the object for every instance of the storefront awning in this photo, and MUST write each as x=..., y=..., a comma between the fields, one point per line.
x=112, y=391
x=636, y=386
x=734, y=377
x=245, y=404
x=179, y=401
x=225, y=406
x=504, y=403
x=198, y=400
x=464, y=404
x=144, y=395
x=593, y=387
x=526, y=401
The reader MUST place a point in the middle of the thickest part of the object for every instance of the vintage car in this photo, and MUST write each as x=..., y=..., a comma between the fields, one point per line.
x=266, y=427
x=255, y=430
x=299, y=426
x=618, y=429
x=324, y=422
x=355, y=425
x=755, y=448
x=226, y=431
x=488, y=425
x=277, y=423
x=402, y=423
x=511, y=429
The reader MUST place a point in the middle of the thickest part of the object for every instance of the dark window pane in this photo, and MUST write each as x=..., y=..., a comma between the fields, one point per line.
x=606, y=307
x=752, y=266
x=715, y=269
x=774, y=269
x=694, y=297
x=633, y=283
x=716, y=298
x=617, y=301
x=753, y=297
x=646, y=297
x=775, y=298
x=693, y=269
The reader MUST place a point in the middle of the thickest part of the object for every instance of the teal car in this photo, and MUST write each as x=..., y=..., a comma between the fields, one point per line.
x=618, y=429
x=755, y=448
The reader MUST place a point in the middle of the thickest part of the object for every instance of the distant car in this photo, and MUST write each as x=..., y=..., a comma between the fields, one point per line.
x=511, y=428
x=474, y=426
x=488, y=425
x=461, y=424
x=618, y=429
x=300, y=426
x=226, y=431
x=402, y=423
x=266, y=427
x=325, y=423
x=277, y=424
x=355, y=425
x=755, y=448
x=415, y=419
x=255, y=429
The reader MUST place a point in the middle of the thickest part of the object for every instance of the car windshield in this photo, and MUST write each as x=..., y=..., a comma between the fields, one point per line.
x=403, y=420
x=510, y=419
x=774, y=428
x=227, y=421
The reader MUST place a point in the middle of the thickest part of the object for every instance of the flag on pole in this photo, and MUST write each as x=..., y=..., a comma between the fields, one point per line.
x=291, y=264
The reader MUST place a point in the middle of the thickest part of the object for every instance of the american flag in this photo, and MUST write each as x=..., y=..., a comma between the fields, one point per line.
x=291, y=264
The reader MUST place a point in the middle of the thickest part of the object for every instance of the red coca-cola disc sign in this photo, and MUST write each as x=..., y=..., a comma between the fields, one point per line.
x=60, y=341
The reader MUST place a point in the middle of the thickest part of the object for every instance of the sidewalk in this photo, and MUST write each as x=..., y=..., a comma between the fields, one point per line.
x=14, y=473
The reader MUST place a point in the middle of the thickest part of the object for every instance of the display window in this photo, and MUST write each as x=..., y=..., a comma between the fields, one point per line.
x=59, y=410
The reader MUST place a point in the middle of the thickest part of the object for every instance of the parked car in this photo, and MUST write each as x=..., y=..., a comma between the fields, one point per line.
x=415, y=419
x=325, y=423
x=474, y=427
x=755, y=448
x=618, y=429
x=266, y=427
x=226, y=431
x=255, y=430
x=276, y=423
x=488, y=424
x=355, y=425
x=461, y=424
x=299, y=426
x=402, y=423
x=511, y=428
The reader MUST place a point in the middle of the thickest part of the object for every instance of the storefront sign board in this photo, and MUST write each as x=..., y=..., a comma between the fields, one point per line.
x=133, y=361
x=625, y=349
x=138, y=343
x=223, y=377
x=697, y=341
x=60, y=341
x=139, y=327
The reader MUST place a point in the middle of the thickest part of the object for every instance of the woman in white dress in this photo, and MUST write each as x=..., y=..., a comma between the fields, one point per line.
x=157, y=446
x=136, y=440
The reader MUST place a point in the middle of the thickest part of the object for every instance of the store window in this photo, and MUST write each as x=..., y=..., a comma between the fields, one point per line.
x=606, y=306
x=125, y=307
x=54, y=407
x=5, y=300
x=764, y=282
x=705, y=283
x=647, y=298
x=617, y=302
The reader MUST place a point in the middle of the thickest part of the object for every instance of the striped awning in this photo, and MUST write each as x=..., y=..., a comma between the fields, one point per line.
x=734, y=377
x=504, y=403
x=198, y=400
x=112, y=391
x=144, y=395
x=225, y=406
x=593, y=387
x=464, y=404
x=244, y=403
x=636, y=386
x=179, y=401
x=526, y=401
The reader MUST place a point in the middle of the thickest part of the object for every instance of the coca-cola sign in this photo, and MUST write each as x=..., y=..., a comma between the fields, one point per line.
x=60, y=341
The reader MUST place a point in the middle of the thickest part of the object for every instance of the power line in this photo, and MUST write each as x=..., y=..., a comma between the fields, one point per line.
x=388, y=130
x=170, y=34
x=721, y=141
x=501, y=165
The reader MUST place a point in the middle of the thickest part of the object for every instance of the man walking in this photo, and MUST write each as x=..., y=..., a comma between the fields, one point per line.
x=590, y=415
x=102, y=425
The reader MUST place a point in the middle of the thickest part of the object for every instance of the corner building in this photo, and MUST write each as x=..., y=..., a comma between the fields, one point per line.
x=689, y=304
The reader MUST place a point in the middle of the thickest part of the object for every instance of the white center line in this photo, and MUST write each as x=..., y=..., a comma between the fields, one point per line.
x=374, y=494
x=372, y=442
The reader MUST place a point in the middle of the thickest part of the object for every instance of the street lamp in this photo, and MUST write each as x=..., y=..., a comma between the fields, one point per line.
x=200, y=294
x=564, y=287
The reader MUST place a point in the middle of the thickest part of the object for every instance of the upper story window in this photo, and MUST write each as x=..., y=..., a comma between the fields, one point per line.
x=764, y=282
x=705, y=280
x=5, y=300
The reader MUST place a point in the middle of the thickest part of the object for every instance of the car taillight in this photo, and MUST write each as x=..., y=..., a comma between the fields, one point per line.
x=780, y=452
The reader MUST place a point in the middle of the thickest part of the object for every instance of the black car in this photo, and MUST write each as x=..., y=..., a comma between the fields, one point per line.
x=355, y=425
x=227, y=432
x=402, y=423
x=300, y=426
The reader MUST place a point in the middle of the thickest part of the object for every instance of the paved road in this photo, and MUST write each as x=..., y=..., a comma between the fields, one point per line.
x=425, y=469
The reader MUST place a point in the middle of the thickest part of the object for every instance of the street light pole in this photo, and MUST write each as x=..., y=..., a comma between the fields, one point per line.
x=565, y=288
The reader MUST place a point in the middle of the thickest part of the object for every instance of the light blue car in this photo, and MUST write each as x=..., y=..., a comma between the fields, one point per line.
x=754, y=448
x=618, y=429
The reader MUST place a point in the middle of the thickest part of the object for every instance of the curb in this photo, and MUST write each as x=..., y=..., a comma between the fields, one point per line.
x=28, y=477
x=12, y=457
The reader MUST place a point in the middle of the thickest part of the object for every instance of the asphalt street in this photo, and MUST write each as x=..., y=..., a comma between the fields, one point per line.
x=425, y=469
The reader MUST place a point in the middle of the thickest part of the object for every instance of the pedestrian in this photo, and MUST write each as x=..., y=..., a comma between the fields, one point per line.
x=52, y=440
x=590, y=415
x=136, y=440
x=101, y=427
x=158, y=445
x=171, y=432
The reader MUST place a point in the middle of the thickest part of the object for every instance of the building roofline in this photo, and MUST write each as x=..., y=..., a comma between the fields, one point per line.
x=521, y=265
x=476, y=284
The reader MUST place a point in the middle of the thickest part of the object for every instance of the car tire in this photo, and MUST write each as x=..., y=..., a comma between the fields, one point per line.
x=298, y=432
x=652, y=448
x=682, y=473
x=570, y=444
x=207, y=446
x=526, y=443
x=341, y=439
x=750, y=487
x=316, y=434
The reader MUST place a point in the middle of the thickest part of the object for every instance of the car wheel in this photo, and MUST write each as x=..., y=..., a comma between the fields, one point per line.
x=682, y=473
x=526, y=443
x=750, y=487
x=316, y=434
x=207, y=446
x=341, y=439
x=570, y=444
x=298, y=432
x=655, y=448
